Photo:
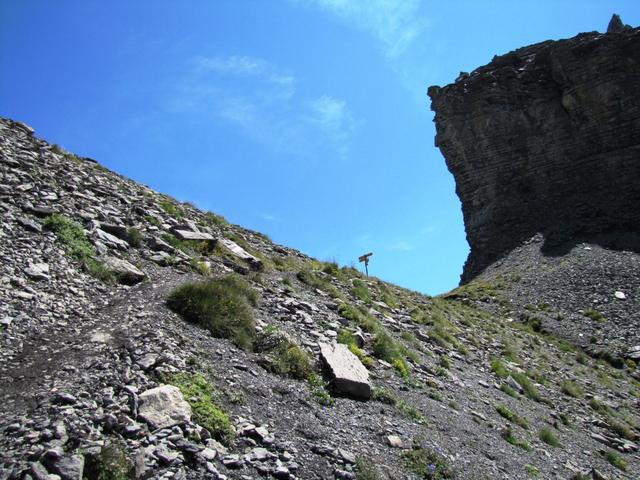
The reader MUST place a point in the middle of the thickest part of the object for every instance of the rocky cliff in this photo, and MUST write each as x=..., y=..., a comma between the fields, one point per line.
x=546, y=139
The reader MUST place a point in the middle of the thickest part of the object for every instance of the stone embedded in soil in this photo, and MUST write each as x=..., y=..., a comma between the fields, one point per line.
x=241, y=253
x=163, y=407
x=195, y=236
x=349, y=375
x=125, y=272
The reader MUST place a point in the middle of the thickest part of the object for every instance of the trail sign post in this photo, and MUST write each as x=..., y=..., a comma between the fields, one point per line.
x=365, y=259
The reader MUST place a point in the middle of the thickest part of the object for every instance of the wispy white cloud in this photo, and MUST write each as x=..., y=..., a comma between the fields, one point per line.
x=401, y=246
x=261, y=99
x=269, y=217
x=396, y=23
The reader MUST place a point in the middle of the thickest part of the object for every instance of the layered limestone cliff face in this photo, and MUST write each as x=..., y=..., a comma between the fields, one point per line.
x=545, y=139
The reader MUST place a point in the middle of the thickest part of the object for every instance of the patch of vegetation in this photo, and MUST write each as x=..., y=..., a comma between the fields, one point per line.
x=498, y=368
x=600, y=407
x=170, y=207
x=361, y=291
x=112, y=463
x=383, y=395
x=152, y=220
x=214, y=219
x=532, y=471
x=72, y=236
x=365, y=470
x=594, y=315
x=201, y=267
x=290, y=360
x=508, y=435
x=504, y=411
x=313, y=279
x=221, y=305
x=571, y=388
x=428, y=464
x=198, y=392
x=318, y=389
x=581, y=358
x=621, y=430
x=401, y=367
x=508, y=390
x=548, y=437
x=134, y=237
x=527, y=385
x=387, y=296
x=616, y=460
x=346, y=337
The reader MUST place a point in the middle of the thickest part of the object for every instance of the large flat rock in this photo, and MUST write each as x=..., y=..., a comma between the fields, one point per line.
x=163, y=407
x=349, y=375
x=238, y=251
x=126, y=272
x=189, y=235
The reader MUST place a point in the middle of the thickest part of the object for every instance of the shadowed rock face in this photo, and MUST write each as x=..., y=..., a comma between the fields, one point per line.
x=545, y=139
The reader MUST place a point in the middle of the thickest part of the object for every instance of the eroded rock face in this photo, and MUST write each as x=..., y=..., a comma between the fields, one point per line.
x=545, y=139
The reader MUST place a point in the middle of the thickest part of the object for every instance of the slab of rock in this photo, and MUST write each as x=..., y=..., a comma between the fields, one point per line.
x=198, y=236
x=238, y=251
x=110, y=240
x=163, y=407
x=349, y=375
x=125, y=272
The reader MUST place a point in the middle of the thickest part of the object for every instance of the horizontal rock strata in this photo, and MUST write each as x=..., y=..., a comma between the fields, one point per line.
x=545, y=139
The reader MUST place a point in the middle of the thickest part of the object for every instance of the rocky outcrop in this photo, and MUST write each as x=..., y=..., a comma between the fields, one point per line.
x=545, y=139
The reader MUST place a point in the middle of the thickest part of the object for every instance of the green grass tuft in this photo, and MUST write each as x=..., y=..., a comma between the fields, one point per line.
x=221, y=305
x=72, y=236
x=571, y=388
x=198, y=392
x=428, y=464
x=548, y=437
x=616, y=460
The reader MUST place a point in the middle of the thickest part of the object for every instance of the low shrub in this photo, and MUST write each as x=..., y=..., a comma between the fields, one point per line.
x=72, y=236
x=221, y=305
x=361, y=291
x=616, y=460
x=112, y=463
x=504, y=411
x=428, y=464
x=134, y=237
x=290, y=360
x=527, y=385
x=383, y=395
x=365, y=470
x=571, y=388
x=498, y=368
x=319, y=390
x=508, y=435
x=198, y=392
x=593, y=315
x=548, y=437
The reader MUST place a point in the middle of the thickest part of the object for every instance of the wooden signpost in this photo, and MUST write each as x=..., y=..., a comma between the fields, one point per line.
x=365, y=258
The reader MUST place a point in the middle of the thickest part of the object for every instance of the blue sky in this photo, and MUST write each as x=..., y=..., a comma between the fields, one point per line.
x=304, y=119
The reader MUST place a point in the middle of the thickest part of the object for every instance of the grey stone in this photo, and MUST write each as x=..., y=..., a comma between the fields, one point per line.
x=163, y=407
x=349, y=375
x=37, y=271
x=125, y=272
x=197, y=236
x=110, y=240
x=238, y=251
x=68, y=467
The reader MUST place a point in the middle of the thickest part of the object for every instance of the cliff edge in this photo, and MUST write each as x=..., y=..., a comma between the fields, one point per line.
x=546, y=140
